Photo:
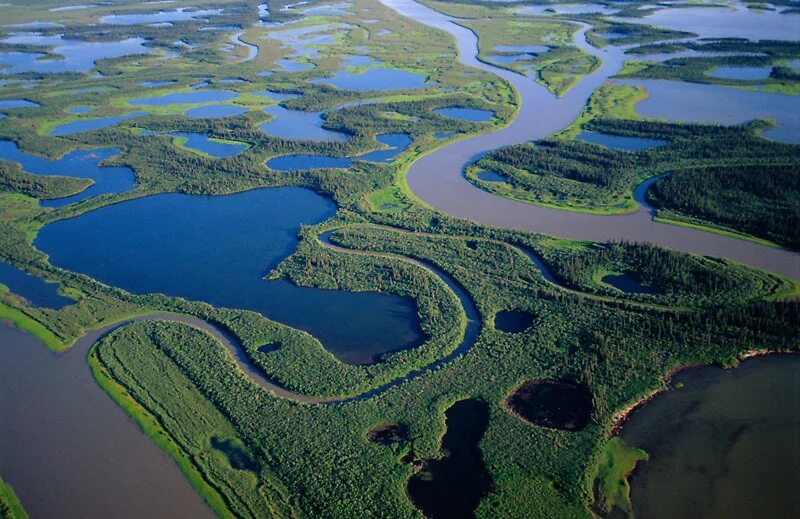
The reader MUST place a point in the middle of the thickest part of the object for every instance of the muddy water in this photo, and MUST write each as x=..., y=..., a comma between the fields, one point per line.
x=69, y=451
x=726, y=444
x=438, y=180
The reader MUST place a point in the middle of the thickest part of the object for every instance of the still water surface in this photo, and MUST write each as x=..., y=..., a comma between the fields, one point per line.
x=217, y=249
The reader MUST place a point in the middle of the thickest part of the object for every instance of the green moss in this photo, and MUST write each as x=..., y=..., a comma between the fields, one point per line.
x=609, y=477
x=10, y=506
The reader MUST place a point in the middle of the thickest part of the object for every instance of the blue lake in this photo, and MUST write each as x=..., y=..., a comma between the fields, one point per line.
x=155, y=84
x=202, y=96
x=628, y=283
x=162, y=16
x=299, y=125
x=396, y=142
x=78, y=163
x=546, y=9
x=201, y=142
x=510, y=58
x=466, y=114
x=741, y=73
x=17, y=103
x=78, y=56
x=215, y=111
x=79, y=110
x=292, y=65
x=490, y=176
x=695, y=102
x=619, y=142
x=217, y=249
x=85, y=125
x=35, y=290
x=376, y=79
x=535, y=49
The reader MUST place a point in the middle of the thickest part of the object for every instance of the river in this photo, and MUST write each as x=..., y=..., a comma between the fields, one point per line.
x=438, y=180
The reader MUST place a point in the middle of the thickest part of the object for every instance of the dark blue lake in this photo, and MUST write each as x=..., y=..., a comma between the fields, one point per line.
x=619, y=142
x=202, y=142
x=467, y=114
x=299, y=125
x=397, y=142
x=78, y=163
x=35, y=290
x=628, y=283
x=78, y=56
x=217, y=249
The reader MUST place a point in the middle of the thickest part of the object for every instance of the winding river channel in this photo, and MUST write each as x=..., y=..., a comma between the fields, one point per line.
x=438, y=179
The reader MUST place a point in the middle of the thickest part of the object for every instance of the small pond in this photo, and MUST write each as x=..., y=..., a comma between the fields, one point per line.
x=35, y=290
x=466, y=114
x=741, y=73
x=620, y=142
x=535, y=49
x=510, y=58
x=177, y=15
x=513, y=321
x=299, y=125
x=396, y=142
x=452, y=487
x=78, y=163
x=217, y=249
x=202, y=143
x=156, y=84
x=376, y=79
x=490, y=176
x=566, y=9
x=17, y=103
x=629, y=283
x=552, y=403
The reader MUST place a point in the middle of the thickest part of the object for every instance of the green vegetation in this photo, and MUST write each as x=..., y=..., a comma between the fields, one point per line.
x=559, y=67
x=13, y=179
x=10, y=507
x=680, y=280
x=759, y=200
x=775, y=54
x=252, y=454
x=721, y=176
x=611, y=489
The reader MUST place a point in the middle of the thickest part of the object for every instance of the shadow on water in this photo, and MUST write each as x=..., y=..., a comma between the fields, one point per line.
x=452, y=487
x=552, y=403
x=513, y=321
